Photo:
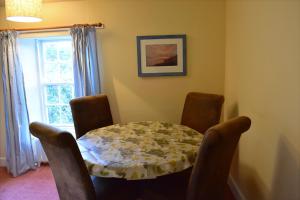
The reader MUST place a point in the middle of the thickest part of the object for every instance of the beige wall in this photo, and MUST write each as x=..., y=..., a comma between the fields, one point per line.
x=263, y=81
x=160, y=98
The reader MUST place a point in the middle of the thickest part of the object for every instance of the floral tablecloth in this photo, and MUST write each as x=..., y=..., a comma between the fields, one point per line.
x=139, y=150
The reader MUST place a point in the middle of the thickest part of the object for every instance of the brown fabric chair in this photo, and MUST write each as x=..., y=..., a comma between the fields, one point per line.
x=201, y=111
x=70, y=173
x=208, y=180
x=90, y=112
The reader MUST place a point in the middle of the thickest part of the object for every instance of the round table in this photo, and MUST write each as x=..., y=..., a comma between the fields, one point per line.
x=139, y=150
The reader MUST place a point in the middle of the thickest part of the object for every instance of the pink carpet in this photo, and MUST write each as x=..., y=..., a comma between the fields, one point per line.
x=33, y=185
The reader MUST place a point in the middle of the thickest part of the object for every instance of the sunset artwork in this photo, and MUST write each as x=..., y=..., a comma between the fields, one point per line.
x=161, y=55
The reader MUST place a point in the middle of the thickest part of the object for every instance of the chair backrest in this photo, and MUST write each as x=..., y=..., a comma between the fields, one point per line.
x=210, y=173
x=90, y=112
x=70, y=173
x=201, y=111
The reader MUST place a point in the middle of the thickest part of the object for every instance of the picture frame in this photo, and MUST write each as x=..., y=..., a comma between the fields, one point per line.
x=161, y=55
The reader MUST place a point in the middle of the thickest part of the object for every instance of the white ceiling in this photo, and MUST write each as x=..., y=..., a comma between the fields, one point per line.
x=2, y=1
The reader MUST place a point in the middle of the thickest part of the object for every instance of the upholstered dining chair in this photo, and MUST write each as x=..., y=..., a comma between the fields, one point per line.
x=201, y=110
x=90, y=112
x=209, y=176
x=70, y=173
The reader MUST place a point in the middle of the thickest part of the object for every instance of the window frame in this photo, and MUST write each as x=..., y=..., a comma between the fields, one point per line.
x=43, y=83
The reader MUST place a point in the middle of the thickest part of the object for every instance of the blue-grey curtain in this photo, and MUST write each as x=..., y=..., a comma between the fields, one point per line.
x=86, y=67
x=19, y=152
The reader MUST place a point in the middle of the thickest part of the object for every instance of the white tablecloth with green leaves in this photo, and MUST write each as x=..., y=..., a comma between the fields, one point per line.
x=139, y=150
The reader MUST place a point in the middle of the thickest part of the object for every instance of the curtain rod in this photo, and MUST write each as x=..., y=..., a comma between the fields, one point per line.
x=96, y=25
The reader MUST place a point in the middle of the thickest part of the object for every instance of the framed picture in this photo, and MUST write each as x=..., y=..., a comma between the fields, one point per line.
x=161, y=55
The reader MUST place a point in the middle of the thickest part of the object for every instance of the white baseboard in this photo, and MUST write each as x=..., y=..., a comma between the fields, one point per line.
x=235, y=189
x=2, y=161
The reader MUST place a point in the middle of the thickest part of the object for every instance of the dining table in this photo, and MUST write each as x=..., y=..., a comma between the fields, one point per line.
x=139, y=150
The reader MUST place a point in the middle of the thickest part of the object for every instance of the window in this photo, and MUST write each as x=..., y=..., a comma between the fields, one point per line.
x=56, y=75
x=51, y=88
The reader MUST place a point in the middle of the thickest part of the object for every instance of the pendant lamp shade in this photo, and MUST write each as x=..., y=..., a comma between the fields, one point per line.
x=23, y=10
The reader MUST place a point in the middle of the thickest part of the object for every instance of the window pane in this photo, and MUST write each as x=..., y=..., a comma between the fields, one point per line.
x=66, y=72
x=65, y=52
x=66, y=115
x=66, y=93
x=52, y=94
x=51, y=72
x=53, y=114
x=51, y=52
